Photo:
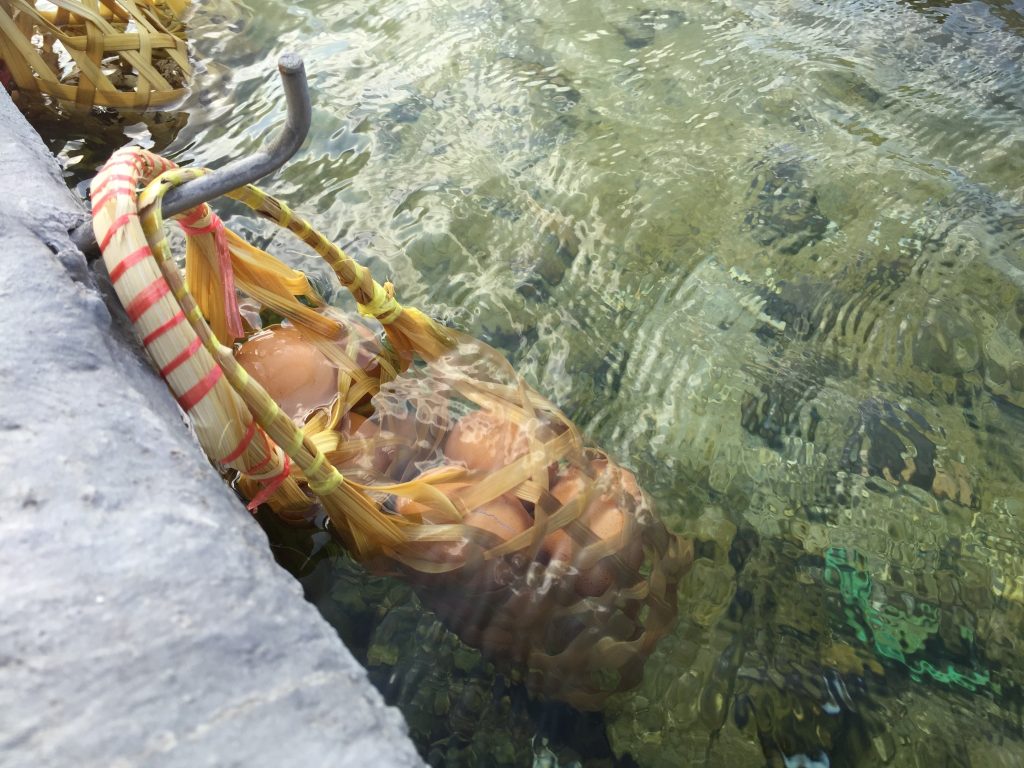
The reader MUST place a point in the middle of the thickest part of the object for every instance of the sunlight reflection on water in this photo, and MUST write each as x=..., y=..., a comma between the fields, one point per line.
x=769, y=255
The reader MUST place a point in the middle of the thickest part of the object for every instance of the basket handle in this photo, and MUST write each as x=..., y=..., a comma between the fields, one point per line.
x=245, y=170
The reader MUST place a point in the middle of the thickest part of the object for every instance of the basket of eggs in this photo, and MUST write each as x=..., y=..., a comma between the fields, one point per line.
x=432, y=459
x=120, y=54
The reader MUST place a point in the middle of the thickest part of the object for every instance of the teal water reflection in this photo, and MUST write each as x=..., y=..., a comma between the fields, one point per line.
x=771, y=256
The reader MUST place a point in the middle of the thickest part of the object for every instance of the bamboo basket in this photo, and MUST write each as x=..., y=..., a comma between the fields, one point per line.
x=434, y=461
x=123, y=54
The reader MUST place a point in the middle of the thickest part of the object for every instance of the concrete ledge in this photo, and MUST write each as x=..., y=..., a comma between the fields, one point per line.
x=143, y=619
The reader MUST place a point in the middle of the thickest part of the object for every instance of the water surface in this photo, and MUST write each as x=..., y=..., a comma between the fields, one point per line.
x=771, y=256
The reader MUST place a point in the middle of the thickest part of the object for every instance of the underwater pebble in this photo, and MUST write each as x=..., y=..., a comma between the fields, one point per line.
x=946, y=343
x=638, y=30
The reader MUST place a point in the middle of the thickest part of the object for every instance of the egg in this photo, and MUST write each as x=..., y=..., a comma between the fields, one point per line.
x=595, y=581
x=617, y=479
x=614, y=494
x=559, y=545
x=607, y=521
x=569, y=484
x=484, y=440
x=504, y=516
x=292, y=370
x=368, y=458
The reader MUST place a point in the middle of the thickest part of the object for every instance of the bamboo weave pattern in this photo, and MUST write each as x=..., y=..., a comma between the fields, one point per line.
x=124, y=54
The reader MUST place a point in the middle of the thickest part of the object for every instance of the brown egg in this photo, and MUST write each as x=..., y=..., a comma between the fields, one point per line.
x=605, y=519
x=614, y=491
x=505, y=517
x=369, y=457
x=559, y=545
x=292, y=371
x=569, y=484
x=616, y=480
x=406, y=506
x=485, y=441
x=595, y=581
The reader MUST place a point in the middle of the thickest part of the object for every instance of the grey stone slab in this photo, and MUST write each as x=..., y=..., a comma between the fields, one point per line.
x=143, y=620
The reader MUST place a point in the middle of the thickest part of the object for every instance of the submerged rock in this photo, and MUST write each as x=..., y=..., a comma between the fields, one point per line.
x=554, y=85
x=946, y=343
x=638, y=30
x=785, y=211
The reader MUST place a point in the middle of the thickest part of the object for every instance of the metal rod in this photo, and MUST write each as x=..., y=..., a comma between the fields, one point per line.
x=245, y=170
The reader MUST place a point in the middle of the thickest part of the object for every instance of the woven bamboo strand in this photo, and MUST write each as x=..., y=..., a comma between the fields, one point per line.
x=91, y=33
x=358, y=518
x=408, y=328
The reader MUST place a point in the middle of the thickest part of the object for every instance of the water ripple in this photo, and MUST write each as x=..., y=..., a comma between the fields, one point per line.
x=772, y=256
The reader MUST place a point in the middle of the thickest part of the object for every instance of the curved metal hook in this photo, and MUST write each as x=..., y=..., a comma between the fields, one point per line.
x=245, y=170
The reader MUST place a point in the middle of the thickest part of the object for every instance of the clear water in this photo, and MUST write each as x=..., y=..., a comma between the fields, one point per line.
x=771, y=256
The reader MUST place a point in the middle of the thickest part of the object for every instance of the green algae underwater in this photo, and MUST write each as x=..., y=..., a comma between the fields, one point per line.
x=771, y=257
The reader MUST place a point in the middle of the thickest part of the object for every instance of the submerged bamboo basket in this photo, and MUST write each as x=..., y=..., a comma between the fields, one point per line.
x=433, y=461
x=124, y=54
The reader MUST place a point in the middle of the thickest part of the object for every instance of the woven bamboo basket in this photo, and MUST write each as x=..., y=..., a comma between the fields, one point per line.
x=124, y=54
x=432, y=459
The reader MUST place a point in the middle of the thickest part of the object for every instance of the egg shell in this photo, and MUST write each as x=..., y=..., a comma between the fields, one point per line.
x=569, y=484
x=505, y=517
x=615, y=491
x=605, y=519
x=559, y=545
x=608, y=521
x=484, y=440
x=370, y=458
x=595, y=581
x=292, y=370
x=616, y=480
